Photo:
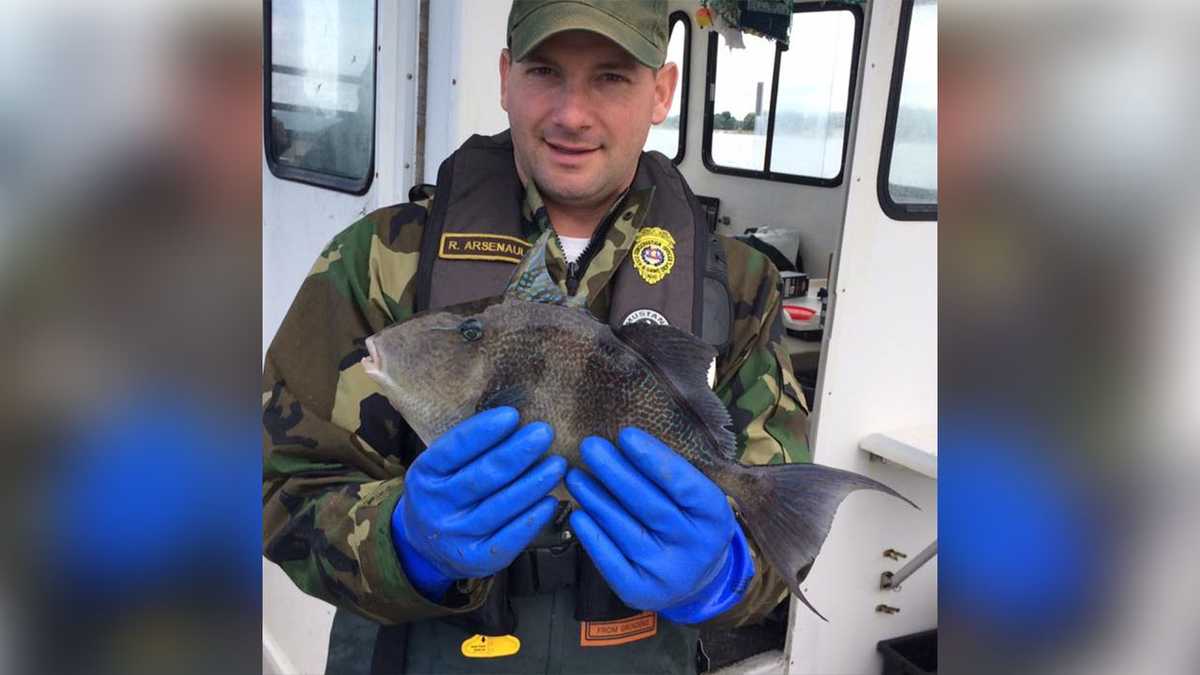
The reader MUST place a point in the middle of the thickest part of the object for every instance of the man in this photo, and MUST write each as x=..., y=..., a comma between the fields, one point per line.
x=457, y=550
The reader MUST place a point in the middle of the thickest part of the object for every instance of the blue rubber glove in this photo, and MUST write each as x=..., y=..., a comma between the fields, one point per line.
x=472, y=503
x=660, y=532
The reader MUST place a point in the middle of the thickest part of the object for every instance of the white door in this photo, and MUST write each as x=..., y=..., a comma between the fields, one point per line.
x=879, y=375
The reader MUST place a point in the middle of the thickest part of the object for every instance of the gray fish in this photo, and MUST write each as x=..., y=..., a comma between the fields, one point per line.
x=556, y=363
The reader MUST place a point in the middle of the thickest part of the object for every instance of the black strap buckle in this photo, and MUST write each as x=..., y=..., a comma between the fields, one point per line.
x=544, y=569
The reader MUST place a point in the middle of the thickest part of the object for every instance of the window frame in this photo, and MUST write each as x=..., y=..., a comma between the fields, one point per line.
x=893, y=209
x=710, y=90
x=308, y=176
x=685, y=79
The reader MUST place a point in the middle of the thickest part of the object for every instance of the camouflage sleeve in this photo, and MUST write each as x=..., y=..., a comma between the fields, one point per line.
x=769, y=413
x=334, y=451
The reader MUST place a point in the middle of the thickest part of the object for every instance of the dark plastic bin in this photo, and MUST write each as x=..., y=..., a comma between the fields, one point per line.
x=914, y=654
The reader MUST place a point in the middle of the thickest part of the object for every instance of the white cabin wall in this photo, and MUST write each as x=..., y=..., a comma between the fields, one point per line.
x=463, y=97
x=298, y=220
x=878, y=375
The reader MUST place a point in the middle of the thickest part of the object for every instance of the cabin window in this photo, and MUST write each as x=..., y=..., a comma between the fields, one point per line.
x=908, y=162
x=670, y=136
x=321, y=92
x=782, y=114
x=742, y=93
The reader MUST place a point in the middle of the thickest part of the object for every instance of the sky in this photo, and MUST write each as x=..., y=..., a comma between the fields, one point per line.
x=815, y=70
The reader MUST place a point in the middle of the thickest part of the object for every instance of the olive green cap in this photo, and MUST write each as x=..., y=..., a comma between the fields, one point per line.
x=638, y=26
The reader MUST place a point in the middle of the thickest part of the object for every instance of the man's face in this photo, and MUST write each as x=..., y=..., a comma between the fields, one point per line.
x=580, y=108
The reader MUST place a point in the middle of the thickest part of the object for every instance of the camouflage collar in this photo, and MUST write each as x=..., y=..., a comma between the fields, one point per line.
x=534, y=218
x=621, y=227
x=604, y=256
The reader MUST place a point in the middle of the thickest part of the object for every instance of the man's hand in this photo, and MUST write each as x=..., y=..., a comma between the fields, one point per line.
x=470, y=505
x=659, y=531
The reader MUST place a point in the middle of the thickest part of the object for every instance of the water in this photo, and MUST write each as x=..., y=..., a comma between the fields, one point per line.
x=914, y=165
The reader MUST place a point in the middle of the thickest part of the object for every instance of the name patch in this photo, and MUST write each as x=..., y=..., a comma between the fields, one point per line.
x=493, y=247
x=619, y=632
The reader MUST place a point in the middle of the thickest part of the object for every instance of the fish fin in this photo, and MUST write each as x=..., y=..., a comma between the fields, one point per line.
x=512, y=395
x=532, y=281
x=789, y=508
x=683, y=360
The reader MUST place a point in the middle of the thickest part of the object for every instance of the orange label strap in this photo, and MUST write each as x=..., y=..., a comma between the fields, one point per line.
x=619, y=632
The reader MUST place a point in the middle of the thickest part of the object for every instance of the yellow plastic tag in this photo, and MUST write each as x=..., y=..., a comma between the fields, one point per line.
x=490, y=646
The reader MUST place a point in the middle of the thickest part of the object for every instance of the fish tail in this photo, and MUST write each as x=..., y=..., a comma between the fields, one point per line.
x=788, y=509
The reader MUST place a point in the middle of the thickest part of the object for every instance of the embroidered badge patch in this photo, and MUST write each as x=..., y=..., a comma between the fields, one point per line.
x=653, y=254
x=494, y=247
x=645, y=316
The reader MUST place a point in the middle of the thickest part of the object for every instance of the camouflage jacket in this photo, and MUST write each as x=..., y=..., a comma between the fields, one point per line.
x=335, y=451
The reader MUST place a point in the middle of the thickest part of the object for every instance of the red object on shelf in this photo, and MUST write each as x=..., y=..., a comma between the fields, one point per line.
x=799, y=313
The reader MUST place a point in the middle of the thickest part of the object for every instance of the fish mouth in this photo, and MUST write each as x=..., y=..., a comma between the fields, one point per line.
x=372, y=362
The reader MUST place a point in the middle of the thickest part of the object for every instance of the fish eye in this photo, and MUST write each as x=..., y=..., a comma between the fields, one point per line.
x=471, y=330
